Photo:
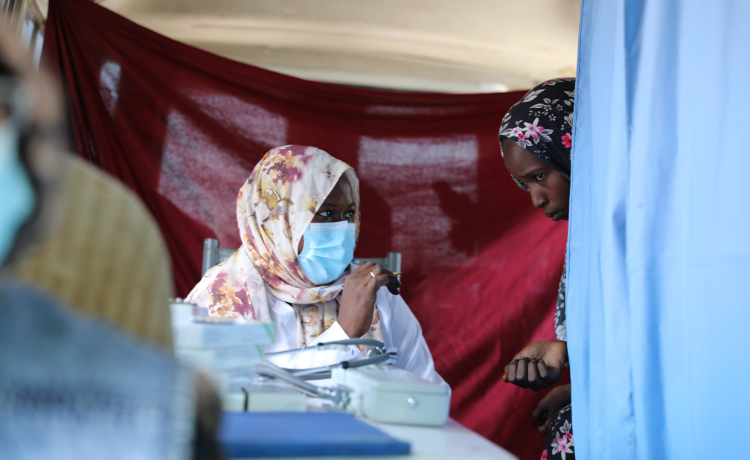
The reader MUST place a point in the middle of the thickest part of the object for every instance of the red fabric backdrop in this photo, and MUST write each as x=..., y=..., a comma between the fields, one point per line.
x=183, y=128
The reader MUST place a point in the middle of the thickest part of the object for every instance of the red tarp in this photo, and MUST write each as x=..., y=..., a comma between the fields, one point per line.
x=183, y=128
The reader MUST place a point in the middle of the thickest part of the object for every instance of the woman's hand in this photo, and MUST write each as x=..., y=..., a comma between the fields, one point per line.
x=537, y=366
x=549, y=405
x=358, y=299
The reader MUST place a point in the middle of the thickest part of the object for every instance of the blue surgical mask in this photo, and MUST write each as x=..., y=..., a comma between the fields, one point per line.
x=17, y=202
x=327, y=251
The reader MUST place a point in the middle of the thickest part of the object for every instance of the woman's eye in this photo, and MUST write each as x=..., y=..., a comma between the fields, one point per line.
x=349, y=215
x=539, y=176
x=325, y=214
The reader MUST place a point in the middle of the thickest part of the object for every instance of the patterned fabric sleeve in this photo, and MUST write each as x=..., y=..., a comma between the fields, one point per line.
x=559, y=441
x=560, y=330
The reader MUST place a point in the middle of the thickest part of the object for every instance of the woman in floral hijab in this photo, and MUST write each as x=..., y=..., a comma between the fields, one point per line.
x=292, y=191
x=535, y=140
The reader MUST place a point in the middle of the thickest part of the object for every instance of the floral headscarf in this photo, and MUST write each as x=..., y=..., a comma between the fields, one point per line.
x=542, y=123
x=274, y=207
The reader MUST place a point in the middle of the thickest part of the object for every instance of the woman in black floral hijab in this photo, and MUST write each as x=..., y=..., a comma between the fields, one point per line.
x=535, y=140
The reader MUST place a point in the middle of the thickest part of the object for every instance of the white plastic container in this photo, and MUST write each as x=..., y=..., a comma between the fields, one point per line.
x=275, y=398
x=194, y=334
x=232, y=381
x=265, y=398
x=388, y=394
x=222, y=359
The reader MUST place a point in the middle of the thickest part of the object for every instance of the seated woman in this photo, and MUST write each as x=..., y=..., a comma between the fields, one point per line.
x=299, y=216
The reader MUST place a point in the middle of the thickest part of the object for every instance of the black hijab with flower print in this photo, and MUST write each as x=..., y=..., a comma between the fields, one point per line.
x=542, y=123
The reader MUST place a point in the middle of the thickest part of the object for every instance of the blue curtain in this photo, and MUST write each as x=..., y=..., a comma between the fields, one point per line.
x=659, y=234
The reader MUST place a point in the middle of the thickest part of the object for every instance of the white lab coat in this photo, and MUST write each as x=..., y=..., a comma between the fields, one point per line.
x=401, y=332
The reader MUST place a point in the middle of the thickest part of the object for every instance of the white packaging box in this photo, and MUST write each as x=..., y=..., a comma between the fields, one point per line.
x=181, y=311
x=264, y=398
x=275, y=398
x=232, y=381
x=192, y=334
x=221, y=359
x=388, y=394
x=234, y=402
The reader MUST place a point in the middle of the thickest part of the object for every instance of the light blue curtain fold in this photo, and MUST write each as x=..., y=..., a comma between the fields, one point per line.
x=659, y=232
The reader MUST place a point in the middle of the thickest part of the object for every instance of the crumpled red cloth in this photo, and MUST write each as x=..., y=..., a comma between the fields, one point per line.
x=183, y=128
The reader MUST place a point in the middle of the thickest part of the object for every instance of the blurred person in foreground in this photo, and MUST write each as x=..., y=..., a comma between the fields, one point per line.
x=72, y=388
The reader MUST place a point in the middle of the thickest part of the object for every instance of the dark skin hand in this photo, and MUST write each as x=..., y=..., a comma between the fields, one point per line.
x=360, y=287
x=537, y=366
x=549, y=189
x=358, y=299
x=551, y=404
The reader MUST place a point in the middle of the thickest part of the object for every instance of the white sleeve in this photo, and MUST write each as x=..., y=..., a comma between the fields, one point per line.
x=406, y=334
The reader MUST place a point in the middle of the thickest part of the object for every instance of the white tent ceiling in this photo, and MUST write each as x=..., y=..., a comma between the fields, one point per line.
x=427, y=45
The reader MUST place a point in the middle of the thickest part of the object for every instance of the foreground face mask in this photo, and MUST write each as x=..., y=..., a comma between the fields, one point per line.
x=328, y=250
x=16, y=193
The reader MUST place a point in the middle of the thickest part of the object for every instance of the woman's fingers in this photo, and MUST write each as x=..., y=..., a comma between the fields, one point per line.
x=526, y=373
x=541, y=419
x=374, y=277
x=383, y=271
x=548, y=375
x=383, y=277
x=521, y=372
x=382, y=280
x=365, y=267
x=362, y=274
x=371, y=266
x=542, y=369
x=544, y=428
x=385, y=280
x=379, y=279
x=356, y=278
x=536, y=366
x=369, y=278
x=540, y=413
x=512, y=371
x=533, y=375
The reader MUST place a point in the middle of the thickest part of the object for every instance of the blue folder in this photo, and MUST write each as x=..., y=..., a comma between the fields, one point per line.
x=252, y=435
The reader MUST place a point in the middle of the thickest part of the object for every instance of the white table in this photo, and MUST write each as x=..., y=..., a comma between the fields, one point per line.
x=450, y=442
